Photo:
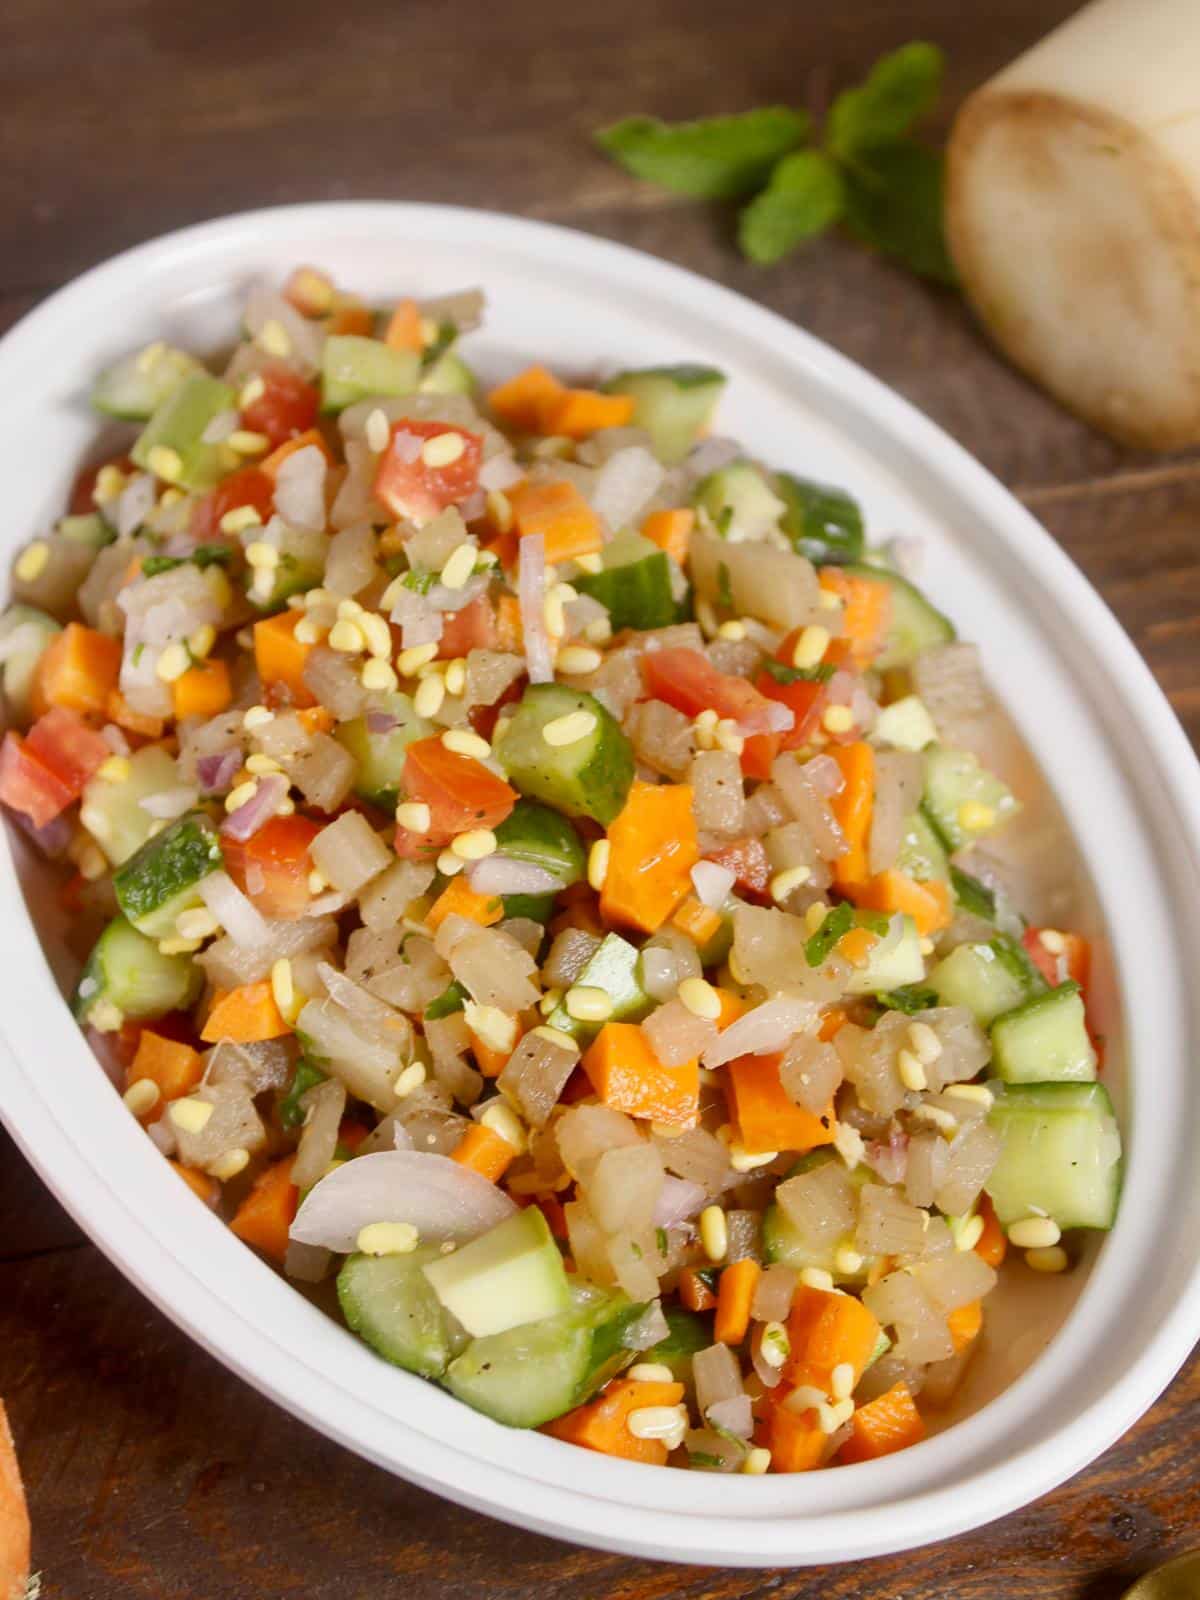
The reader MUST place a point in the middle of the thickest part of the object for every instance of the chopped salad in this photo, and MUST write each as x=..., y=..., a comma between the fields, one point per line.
x=529, y=858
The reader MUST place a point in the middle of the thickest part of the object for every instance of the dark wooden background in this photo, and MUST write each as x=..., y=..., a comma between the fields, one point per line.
x=151, y=1471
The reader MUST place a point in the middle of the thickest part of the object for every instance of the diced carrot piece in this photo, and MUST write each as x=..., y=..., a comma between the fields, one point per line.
x=202, y=691
x=602, y=1424
x=403, y=331
x=832, y=1022
x=484, y=1151
x=1056, y=966
x=828, y=1330
x=78, y=670
x=561, y=515
x=315, y=719
x=928, y=904
x=794, y=1438
x=766, y=1119
x=14, y=1518
x=735, y=1293
x=884, y=1425
x=578, y=412
x=117, y=709
x=175, y=1067
x=268, y=1211
x=670, y=531
x=627, y=1075
x=201, y=1185
x=852, y=807
x=351, y=316
x=246, y=1015
x=524, y=402
x=698, y=921
x=460, y=900
x=965, y=1323
x=992, y=1244
x=694, y=1292
x=866, y=611
x=653, y=848
x=280, y=656
x=490, y=1061
x=272, y=463
x=856, y=946
x=732, y=1007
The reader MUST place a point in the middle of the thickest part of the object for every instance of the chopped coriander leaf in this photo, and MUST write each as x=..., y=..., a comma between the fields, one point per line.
x=837, y=922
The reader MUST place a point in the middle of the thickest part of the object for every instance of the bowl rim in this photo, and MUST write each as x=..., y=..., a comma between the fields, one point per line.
x=745, y=1524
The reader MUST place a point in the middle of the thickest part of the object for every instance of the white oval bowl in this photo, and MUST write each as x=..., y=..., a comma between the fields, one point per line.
x=1083, y=699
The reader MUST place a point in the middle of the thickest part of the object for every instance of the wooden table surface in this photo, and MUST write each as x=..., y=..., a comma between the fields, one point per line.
x=151, y=1470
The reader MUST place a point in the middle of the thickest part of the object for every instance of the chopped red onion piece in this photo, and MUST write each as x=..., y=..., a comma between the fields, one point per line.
x=678, y=1199
x=734, y=1415
x=104, y=1048
x=889, y=1159
x=441, y=1198
x=300, y=489
x=531, y=591
x=381, y=722
x=135, y=504
x=710, y=455
x=243, y=823
x=712, y=883
x=240, y=918
x=762, y=1031
x=824, y=775
x=52, y=838
x=168, y=804
x=216, y=772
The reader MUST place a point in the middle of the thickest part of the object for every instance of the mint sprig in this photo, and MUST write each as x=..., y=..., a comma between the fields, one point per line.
x=868, y=171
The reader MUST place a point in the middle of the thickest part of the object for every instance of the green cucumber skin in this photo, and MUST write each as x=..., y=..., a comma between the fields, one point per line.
x=542, y=837
x=636, y=595
x=355, y=368
x=179, y=423
x=1061, y=1155
x=164, y=871
x=982, y=978
x=591, y=778
x=613, y=967
x=130, y=972
x=921, y=854
x=824, y=524
x=134, y=387
x=1045, y=1040
x=379, y=757
x=916, y=624
x=953, y=777
x=17, y=672
x=673, y=404
x=688, y=1334
x=388, y=1302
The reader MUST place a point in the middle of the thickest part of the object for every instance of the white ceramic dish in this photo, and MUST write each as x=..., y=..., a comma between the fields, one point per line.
x=1092, y=716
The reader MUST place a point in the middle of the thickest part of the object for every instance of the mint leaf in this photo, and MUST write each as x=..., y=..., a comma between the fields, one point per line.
x=713, y=159
x=900, y=88
x=910, y=999
x=803, y=197
x=894, y=203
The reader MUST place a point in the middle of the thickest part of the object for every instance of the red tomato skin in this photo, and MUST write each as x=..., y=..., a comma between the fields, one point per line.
x=412, y=489
x=472, y=628
x=245, y=487
x=287, y=406
x=27, y=786
x=273, y=865
x=747, y=860
x=1072, y=964
x=460, y=792
x=62, y=741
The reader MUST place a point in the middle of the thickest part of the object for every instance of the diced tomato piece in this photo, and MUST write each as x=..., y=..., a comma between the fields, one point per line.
x=1073, y=962
x=688, y=681
x=804, y=698
x=273, y=865
x=62, y=741
x=287, y=406
x=245, y=487
x=472, y=628
x=410, y=488
x=460, y=792
x=747, y=860
x=28, y=786
x=82, y=490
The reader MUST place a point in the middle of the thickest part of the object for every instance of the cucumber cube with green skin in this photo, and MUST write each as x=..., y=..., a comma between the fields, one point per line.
x=673, y=404
x=972, y=895
x=355, y=368
x=113, y=812
x=892, y=968
x=510, y=1275
x=541, y=837
x=1061, y=1155
x=782, y=1243
x=989, y=979
x=590, y=777
x=614, y=967
x=739, y=502
x=921, y=855
x=134, y=387
x=687, y=1335
x=380, y=756
x=163, y=878
x=89, y=529
x=390, y=1304
x=1045, y=1040
x=128, y=972
x=532, y=907
x=637, y=585
x=954, y=779
x=535, y=1372
x=449, y=374
x=916, y=625
x=306, y=1076
x=905, y=724
x=25, y=633
x=178, y=425
x=301, y=566
x=824, y=524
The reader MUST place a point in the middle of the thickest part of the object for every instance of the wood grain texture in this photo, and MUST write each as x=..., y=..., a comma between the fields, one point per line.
x=152, y=1472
